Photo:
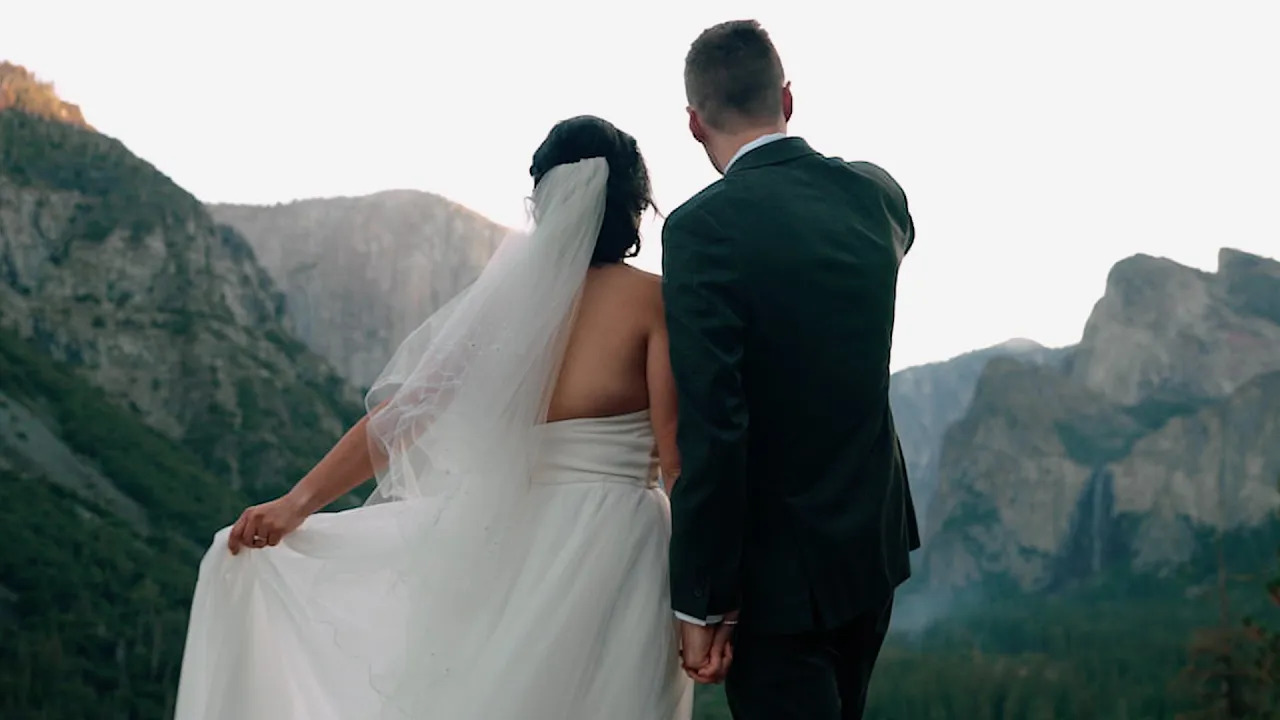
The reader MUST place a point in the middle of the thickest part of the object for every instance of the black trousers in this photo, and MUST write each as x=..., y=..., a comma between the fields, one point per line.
x=815, y=676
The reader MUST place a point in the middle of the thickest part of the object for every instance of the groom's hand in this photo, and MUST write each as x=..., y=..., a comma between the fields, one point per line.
x=707, y=651
x=695, y=647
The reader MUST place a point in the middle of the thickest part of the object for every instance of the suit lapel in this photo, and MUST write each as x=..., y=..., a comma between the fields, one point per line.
x=778, y=151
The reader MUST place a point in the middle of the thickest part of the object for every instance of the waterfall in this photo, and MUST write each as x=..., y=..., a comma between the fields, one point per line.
x=1093, y=533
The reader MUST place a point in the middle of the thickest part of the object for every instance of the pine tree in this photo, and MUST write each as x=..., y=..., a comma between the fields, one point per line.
x=1233, y=671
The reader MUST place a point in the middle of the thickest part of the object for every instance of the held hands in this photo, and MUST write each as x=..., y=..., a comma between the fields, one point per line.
x=707, y=651
x=266, y=525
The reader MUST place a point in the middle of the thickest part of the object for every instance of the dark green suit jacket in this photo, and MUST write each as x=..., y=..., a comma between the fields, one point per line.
x=779, y=282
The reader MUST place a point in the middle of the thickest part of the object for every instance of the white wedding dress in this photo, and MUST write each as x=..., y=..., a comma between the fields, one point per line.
x=505, y=569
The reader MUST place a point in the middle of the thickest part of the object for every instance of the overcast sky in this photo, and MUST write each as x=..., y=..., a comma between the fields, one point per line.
x=1038, y=142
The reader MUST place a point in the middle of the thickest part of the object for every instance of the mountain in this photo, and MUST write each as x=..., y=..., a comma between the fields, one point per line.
x=108, y=266
x=1098, y=509
x=103, y=521
x=1166, y=329
x=149, y=390
x=359, y=274
x=150, y=386
x=21, y=90
x=928, y=399
x=1157, y=431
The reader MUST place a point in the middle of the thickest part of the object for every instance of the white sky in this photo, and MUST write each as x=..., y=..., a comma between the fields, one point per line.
x=1038, y=142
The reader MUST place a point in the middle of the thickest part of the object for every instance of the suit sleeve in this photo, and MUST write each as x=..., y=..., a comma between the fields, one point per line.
x=907, y=226
x=705, y=321
x=895, y=206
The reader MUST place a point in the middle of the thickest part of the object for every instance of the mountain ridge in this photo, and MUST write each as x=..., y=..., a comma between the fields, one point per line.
x=121, y=273
x=360, y=273
x=149, y=391
x=1128, y=430
x=22, y=90
x=927, y=399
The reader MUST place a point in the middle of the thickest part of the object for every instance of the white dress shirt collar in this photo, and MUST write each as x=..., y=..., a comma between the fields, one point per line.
x=758, y=142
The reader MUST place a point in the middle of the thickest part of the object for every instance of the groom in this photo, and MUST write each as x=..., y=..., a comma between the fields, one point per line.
x=792, y=516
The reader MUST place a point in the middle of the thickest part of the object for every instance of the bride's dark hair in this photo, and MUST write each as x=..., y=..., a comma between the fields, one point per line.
x=628, y=193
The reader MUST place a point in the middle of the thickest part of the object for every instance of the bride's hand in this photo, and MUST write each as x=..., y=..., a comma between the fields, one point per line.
x=266, y=525
x=720, y=656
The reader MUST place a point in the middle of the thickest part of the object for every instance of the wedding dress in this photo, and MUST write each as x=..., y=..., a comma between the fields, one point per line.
x=505, y=567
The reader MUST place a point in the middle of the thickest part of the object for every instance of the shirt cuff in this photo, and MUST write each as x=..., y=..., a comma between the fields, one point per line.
x=713, y=620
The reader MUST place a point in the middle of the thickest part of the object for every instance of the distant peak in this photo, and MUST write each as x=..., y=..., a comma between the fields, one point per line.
x=1019, y=345
x=1144, y=263
x=1137, y=278
x=387, y=200
x=1231, y=261
x=21, y=90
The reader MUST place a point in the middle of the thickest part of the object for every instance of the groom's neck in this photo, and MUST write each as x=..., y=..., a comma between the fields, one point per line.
x=728, y=144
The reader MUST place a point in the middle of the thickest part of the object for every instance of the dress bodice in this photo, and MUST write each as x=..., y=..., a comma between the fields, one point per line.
x=618, y=448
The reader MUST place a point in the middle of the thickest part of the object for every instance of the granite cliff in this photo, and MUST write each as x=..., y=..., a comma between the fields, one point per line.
x=108, y=266
x=1162, y=427
x=149, y=390
x=928, y=399
x=359, y=274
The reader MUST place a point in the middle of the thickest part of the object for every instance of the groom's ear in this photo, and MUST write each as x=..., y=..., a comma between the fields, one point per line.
x=786, y=101
x=698, y=132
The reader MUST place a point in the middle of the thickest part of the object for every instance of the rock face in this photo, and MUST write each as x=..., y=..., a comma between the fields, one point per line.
x=21, y=90
x=1160, y=426
x=927, y=399
x=1214, y=468
x=359, y=274
x=149, y=390
x=108, y=266
x=105, y=521
x=1166, y=329
x=33, y=447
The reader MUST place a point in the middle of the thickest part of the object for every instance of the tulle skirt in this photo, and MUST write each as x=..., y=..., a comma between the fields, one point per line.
x=348, y=619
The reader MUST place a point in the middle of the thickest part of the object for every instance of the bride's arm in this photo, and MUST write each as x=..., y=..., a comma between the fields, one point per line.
x=342, y=469
x=662, y=398
x=349, y=463
x=355, y=459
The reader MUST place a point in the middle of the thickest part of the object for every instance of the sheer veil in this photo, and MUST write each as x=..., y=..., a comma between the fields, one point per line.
x=462, y=396
x=454, y=423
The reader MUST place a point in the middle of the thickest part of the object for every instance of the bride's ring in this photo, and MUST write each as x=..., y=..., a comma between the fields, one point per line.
x=258, y=539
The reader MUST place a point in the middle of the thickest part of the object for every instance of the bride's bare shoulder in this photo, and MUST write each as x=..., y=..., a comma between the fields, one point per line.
x=647, y=283
x=635, y=290
x=651, y=281
x=629, y=279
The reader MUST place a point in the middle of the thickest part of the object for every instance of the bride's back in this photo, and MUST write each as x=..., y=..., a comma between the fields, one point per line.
x=605, y=370
x=616, y=361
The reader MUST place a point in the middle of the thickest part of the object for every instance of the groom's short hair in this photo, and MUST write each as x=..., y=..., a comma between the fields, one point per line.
x=733, y=76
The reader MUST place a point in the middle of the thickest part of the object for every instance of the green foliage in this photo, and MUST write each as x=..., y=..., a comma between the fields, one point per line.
x=1103, y=437
x=1095, y=440
x=120, y=190
x=1159, y=408
x=92, y=609
x=287, y=424
x=1110, y=651
x=162, y=477
x=1233, y=671
x=97, y=625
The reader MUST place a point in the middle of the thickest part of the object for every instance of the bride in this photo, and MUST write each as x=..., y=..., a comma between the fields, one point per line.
x=511, y=562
